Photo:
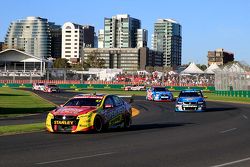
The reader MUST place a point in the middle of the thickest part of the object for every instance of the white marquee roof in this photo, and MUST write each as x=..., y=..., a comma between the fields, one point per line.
x=192, y=69
x=14, y=55
x=212, y=68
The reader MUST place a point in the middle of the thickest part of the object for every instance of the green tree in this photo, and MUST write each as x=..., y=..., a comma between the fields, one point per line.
x=61, y=63
x=93, y=61
x=202, y=66
x=150, y=68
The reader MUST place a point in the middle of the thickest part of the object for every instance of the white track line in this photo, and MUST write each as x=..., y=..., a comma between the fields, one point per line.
x=244, y=116
x=229, y=130
x=70, y=159
x=233, y=162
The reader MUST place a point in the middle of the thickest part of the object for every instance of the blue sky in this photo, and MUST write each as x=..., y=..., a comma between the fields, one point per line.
x=206, y=24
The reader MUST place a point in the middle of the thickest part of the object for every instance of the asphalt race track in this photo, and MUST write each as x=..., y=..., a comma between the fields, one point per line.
x=159, y=137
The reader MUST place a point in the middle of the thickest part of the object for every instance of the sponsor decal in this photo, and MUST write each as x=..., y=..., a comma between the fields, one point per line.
x=107, y=86
x=63, y=122
x=116, y=120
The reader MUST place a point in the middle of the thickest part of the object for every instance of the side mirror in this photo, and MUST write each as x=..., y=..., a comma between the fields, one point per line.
x=205, y=96
x=61, y=105
x=108, y=106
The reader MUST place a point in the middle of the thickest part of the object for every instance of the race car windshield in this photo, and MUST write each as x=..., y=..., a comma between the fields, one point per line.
x=190, y=94
x=84, y=102
x=160, y=89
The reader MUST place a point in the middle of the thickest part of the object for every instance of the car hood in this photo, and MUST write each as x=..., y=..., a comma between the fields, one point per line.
x=163, y=93
x=190, y=99
x=76, y=110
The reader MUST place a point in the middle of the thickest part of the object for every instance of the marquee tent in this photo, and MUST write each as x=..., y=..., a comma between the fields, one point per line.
x=192, y=69
x=212, y=68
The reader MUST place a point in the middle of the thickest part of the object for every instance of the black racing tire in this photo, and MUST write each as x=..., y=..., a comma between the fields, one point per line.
x=98, y=124
x=127, y=121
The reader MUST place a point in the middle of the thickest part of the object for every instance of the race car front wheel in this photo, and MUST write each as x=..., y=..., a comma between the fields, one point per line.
x=98, y=124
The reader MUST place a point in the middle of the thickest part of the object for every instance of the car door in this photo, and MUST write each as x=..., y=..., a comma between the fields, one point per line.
x=120, y=110
x=108, y=109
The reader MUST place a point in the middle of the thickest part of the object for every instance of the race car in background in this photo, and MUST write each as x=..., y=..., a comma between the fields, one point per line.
x=38, y=86
x=190, y=100
x=51, y=88
x=86, y=112
x=135, y=87
x=158, y=93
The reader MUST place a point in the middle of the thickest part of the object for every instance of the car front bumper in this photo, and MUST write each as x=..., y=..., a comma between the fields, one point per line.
x=189, y=108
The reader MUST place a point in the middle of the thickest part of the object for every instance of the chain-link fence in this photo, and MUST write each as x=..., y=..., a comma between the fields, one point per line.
x=235, y=76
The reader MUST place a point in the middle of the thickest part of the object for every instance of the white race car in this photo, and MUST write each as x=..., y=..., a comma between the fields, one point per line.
x=38, y=86
x=135, y=87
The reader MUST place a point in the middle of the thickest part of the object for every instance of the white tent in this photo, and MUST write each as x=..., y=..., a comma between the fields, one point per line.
x=192, y=69
x=236, y=67
x=212, y=68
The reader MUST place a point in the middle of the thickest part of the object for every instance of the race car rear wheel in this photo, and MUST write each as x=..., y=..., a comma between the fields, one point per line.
x=98, y=124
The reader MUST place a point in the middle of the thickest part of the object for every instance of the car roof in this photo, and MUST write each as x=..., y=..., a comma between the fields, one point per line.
x=89, y=95
x=191, y=90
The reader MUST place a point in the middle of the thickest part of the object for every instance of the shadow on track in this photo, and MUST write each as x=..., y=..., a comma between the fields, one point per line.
x=155, y=126
x=140, y=127
x=218, y=109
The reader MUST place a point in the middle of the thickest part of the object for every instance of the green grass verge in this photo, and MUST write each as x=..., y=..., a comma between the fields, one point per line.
x=15, y=102
x=15, y=129
x=214, y=97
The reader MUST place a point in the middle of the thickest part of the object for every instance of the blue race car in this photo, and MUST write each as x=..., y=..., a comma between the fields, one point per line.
x=157, y=93
x=190, y=100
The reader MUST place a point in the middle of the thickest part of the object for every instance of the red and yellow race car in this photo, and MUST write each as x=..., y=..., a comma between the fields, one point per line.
x=86, y=112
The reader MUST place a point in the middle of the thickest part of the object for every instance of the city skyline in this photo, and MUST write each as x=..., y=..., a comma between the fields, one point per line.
x=206, y=25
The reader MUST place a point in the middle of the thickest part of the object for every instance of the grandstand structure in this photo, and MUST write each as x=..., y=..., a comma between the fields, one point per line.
x=21, y=65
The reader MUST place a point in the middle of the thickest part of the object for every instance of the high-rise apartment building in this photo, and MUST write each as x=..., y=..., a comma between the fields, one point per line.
x=1, y=46
x=56, y=41
x=220, y=57
x=101, y=38
x=142, y=38
x=167, y=38
x=31, y=35
x=74, y=38
x=120, y=31
x=88, y=36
